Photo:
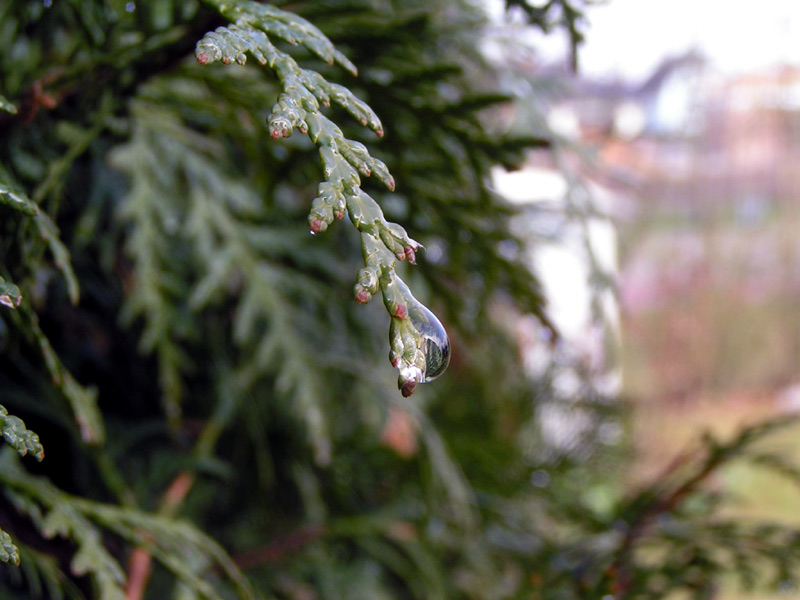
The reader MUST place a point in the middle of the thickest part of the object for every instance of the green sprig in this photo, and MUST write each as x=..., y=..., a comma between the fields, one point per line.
x=344, y=161
x=7, y=106
x=10, y=295
x=58, y=514
x=17, y=200
x=9, y=553
x=16, y=435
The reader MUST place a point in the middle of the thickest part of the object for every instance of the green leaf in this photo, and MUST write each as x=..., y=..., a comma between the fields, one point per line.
x=9, y=553
x=298, y=106
x=178, y=545
x=17, y=436
x=7, y=106
x=63, y=519
x=17, y=200
x=10, y=295
x=82, y=400
x=61, y=256
x=44, y=577
x=252, y=18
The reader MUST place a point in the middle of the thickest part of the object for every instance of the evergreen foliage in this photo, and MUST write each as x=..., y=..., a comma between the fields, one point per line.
x=419, y=354
x=218, y=421
x=17, y=436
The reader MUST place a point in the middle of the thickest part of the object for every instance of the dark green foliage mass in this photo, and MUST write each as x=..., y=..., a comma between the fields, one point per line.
x=219, y=417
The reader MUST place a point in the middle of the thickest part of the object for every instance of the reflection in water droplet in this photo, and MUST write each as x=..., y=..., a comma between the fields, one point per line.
x=436, y=345
x=437, y=357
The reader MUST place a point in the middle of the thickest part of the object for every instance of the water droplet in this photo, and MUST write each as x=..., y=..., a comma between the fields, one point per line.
x=436, y=344
x=130, y=6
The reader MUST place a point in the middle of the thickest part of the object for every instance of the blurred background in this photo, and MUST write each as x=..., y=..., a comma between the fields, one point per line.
x=687, y=114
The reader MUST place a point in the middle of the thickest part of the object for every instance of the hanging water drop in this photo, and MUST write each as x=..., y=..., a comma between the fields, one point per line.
x=419, y=346
x=435, y=343
x=431, y=351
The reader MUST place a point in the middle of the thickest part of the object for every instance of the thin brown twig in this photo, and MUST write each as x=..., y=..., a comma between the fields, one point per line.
x=140, y=562
x=664, y=504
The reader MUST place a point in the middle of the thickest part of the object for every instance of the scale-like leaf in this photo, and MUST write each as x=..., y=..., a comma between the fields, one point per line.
x=10, y=295
x=9, y=553
x=17, y=200
x=7, y=106
x=298, y=107
x=20, y=438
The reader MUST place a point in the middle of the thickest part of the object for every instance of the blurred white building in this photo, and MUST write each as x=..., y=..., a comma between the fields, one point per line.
x=572, y=249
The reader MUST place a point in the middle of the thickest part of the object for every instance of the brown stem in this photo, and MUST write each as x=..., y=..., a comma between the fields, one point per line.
x=140, y=565
x=640, y=526
x=140, y=562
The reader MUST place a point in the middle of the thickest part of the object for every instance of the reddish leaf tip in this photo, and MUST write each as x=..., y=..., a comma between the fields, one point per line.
x=363, y=296
x=316, y=226
x=408, y=388
x=203, y=58
x=400, y=312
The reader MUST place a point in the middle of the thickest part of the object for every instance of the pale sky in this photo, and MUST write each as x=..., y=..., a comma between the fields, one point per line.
x=629, y=38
